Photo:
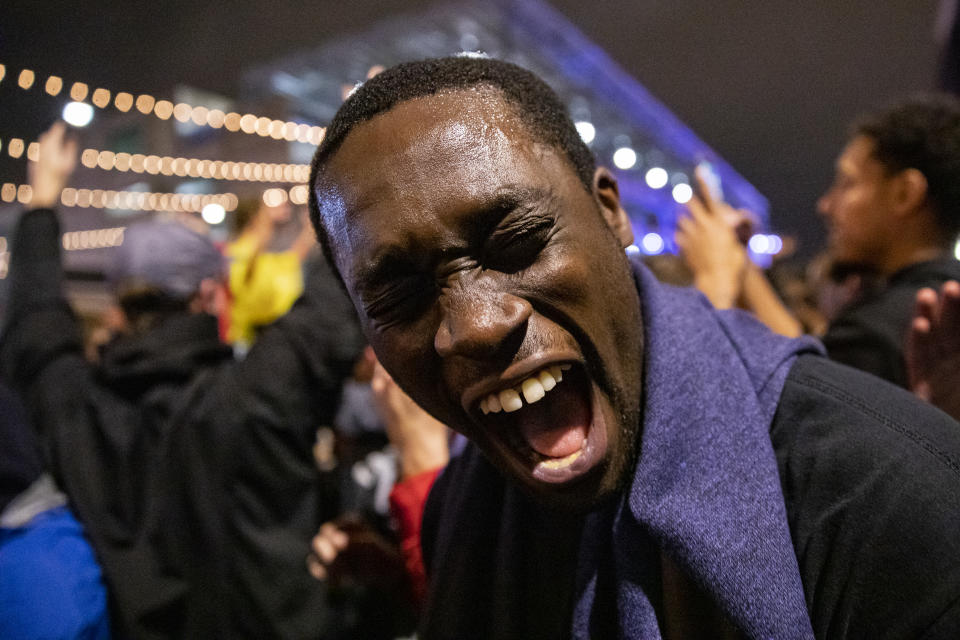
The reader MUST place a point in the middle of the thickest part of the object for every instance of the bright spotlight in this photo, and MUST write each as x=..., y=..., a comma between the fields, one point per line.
x=213, y=213
x=956, y=250
x=759, y=243
x=682, y=193
x=633, y=250
x=586, y=130
x=657, y=178
x=775, y=244
x=652, y=244
x=78, y=114
x=624, y=158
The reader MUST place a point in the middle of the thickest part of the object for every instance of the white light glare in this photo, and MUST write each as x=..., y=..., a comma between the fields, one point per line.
x=78, y=114
x=624, y=158
x=657, y=178
x=768, y=245
x=213, y=213
x=633, y=250
x=956, y=250
x=682, y=193
x=652, y=244
x=759, y=243
x=776, y=244
x=587, y=131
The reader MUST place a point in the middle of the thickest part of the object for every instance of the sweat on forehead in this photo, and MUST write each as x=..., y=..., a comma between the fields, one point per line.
x=463, y=149
x=534, y=103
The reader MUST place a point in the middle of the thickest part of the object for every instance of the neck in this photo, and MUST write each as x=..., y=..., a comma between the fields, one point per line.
x=911, y=255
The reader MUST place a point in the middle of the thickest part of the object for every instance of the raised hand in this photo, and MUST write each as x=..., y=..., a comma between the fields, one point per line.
x=709, y=245
x=54, y=166
x=933, y=348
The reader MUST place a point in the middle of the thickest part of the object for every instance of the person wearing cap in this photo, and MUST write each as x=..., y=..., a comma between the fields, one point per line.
x=191, y=471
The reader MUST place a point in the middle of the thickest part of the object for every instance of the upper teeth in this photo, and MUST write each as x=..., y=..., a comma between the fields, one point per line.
x=532, y=389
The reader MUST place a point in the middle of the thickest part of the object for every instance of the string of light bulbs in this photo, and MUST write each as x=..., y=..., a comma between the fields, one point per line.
x=170, y=166
x=296, y=195
x=93, y=238
x=195, y=167
x=200, y=115
x=129, y=200
x=150, y=201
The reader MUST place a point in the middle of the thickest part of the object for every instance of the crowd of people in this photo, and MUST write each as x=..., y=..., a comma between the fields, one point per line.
x=468, y=413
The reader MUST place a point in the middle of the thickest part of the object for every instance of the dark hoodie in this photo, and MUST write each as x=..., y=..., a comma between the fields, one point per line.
x=191, y=472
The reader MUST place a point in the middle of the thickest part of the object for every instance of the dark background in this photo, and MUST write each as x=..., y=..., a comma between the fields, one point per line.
x=772, y=86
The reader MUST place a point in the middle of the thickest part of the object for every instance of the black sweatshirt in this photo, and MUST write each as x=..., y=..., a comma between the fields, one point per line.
x=192, y=472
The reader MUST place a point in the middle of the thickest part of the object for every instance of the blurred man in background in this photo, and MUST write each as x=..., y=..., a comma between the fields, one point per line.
x=192, y=473
x=892, y=212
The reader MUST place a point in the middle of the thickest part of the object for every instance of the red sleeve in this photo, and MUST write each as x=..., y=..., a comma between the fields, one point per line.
x=407, y=500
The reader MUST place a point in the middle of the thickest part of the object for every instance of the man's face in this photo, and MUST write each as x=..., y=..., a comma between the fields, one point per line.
x=857, y=206
x=491, y=287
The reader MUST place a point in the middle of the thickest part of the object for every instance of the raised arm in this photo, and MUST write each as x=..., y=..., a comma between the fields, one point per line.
x=39, y=324
x=722, y=271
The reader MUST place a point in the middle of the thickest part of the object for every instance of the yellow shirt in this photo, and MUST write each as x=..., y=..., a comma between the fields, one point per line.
x=263, y=286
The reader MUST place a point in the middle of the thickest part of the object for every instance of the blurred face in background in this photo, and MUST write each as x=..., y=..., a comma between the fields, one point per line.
x=493, y=287
x=857, y=206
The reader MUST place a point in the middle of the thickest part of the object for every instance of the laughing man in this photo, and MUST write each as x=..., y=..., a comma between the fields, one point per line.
x=641, y=465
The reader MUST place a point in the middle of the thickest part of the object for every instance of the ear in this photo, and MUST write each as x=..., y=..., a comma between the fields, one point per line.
x=910, y=191
x=607, y=195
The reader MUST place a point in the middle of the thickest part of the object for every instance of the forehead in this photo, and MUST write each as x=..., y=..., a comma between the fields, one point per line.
x=858, y=156
x=416, y=172
x=465, y=131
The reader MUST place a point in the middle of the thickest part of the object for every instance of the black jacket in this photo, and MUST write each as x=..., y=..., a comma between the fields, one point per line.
x=192, y=472
x=871, y=481
x=870, y=334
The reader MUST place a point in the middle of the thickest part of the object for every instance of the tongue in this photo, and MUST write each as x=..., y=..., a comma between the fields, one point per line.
x=557, y=425
x=556, y=443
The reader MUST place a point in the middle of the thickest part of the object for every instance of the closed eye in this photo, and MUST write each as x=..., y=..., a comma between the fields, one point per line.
x=517, y=240
x=403, y=301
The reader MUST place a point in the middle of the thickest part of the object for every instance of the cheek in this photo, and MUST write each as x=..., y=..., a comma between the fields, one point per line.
x=593, y=275
x=408, y=355
x=570, y=268
x=399, y=351
x=563, y=278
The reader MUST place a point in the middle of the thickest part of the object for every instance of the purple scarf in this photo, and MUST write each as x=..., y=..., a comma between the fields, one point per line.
x=705, y=493
x=706, y=487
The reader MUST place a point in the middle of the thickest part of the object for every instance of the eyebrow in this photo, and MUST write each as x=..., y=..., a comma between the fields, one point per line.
x=508, y=200
x=392, y=261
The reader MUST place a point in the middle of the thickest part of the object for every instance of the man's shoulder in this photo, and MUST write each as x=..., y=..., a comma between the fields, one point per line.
x=823, y=398
x=882, y=317
x=886, y=313
x=870, y=478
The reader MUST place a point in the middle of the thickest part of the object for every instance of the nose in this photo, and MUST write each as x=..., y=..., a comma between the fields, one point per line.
x=479, y=322
x=823, y=204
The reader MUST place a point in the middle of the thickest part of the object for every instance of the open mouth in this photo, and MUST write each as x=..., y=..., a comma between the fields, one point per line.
x=550, y=422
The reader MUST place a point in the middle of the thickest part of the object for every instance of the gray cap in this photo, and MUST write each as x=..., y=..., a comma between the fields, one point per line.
x=166, y=255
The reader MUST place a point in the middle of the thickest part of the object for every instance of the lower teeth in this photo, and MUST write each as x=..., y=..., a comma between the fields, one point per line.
x=559, y=463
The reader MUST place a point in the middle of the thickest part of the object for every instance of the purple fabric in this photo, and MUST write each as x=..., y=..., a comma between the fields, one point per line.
x=706, y=487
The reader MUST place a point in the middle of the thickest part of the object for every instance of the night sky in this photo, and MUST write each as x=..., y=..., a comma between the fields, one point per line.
x=772, y=86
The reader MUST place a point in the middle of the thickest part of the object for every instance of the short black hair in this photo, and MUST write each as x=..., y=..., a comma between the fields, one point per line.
x=536, y=104
x=922, y=133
